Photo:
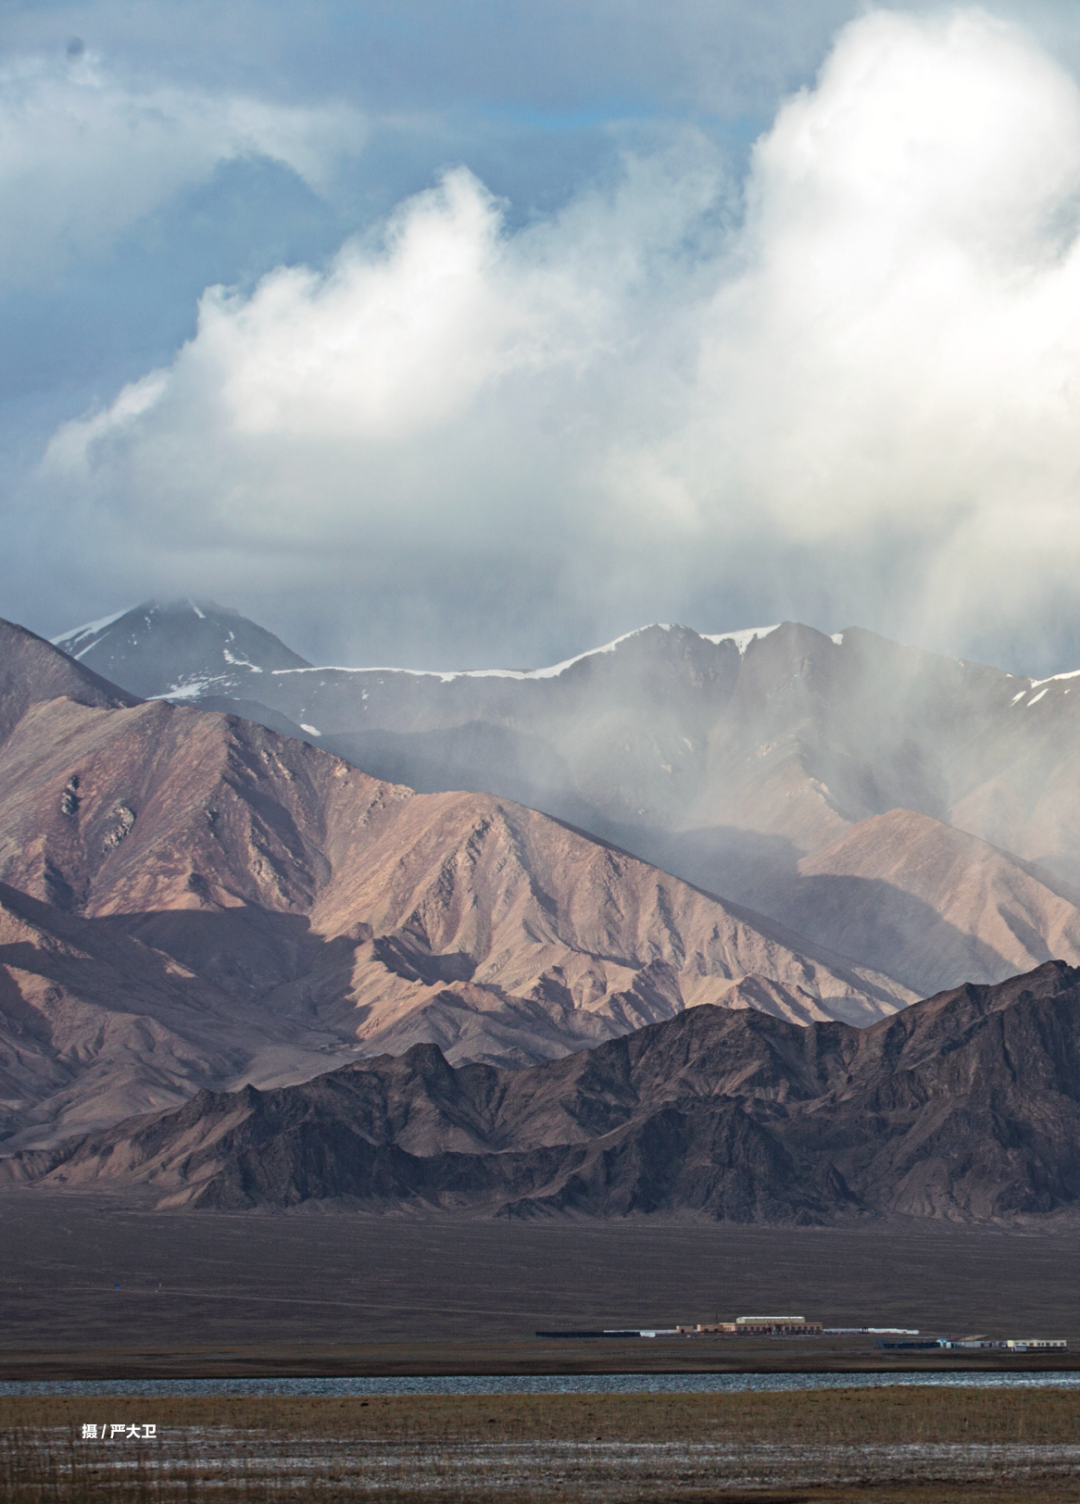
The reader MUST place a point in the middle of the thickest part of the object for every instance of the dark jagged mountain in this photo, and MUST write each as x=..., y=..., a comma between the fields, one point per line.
x=193, y=899
x=184, y=650
x=918, y=813
x=965, y=1106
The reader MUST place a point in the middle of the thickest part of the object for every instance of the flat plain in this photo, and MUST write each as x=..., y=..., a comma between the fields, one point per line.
x=94, y=1287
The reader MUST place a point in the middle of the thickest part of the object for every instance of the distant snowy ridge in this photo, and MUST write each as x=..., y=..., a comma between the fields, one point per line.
x=742, y=640
x=1053, y=679
x=79, y=640
x=1040, y=688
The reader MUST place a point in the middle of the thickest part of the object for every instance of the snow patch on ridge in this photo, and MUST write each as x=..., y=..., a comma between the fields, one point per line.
x=742, y=639
x=1053, y=679
x=445, y=675
x=189, y=691
x=240, y=662
x=67, y=640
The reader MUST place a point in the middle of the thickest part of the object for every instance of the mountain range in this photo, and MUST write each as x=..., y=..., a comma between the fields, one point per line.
x=964, y=1107
x=917, y=814
x=191, y=900
x=239, y=969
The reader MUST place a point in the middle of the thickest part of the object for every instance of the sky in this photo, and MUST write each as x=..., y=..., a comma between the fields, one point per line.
x=453, y=333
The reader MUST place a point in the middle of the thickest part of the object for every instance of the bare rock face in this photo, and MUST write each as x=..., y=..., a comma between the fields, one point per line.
x=94, y=1025
x=32, y=672
x=966, y=1106
x=311, y=913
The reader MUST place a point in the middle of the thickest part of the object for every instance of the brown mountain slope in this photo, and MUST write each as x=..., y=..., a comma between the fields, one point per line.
x=927, y=903
x=95, y=1025
x=966, y=1106
x=338, y=913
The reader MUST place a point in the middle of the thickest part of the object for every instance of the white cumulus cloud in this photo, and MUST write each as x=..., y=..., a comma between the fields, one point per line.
x=865, y=365
x=434, y=376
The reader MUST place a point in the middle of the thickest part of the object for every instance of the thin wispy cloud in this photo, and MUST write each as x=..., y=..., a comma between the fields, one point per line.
x=86, y=153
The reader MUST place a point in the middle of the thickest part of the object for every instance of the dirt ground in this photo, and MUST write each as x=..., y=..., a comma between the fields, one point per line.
x=93, y=1287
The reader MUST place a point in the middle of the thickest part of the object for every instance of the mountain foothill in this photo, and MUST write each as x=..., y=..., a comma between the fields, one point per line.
x=643, y=932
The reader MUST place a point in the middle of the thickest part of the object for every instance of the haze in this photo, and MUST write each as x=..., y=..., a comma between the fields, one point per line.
x=456, y=335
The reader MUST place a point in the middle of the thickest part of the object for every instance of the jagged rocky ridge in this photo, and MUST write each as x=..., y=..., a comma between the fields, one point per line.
x=190, y=900
x=965, y=1106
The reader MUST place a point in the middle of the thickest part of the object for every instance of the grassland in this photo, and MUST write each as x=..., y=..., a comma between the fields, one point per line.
x=884, y=1445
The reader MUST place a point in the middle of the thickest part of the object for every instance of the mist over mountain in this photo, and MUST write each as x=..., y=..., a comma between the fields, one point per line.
x=916, y=813
x=238, y=970
x=963, y=1107
x=498, y=331
x=193, y=899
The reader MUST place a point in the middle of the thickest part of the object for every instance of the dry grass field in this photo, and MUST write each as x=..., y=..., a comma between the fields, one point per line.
x=883, y=1445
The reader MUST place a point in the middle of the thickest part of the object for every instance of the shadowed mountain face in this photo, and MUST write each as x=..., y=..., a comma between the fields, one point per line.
x=966, y=1106
x=931, y=904
x=918, y=813
x=192, y=900
x=32, y=672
